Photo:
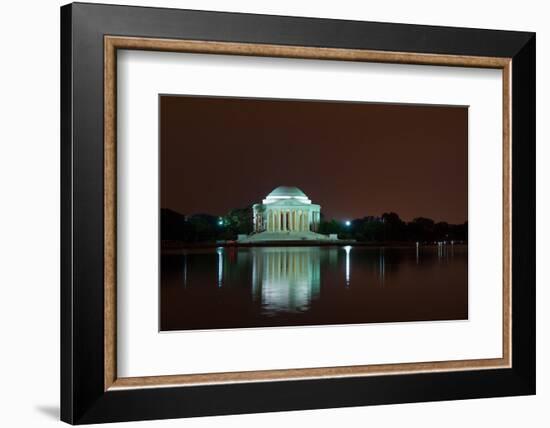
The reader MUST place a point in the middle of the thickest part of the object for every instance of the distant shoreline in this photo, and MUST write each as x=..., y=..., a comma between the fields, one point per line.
x=170, y=246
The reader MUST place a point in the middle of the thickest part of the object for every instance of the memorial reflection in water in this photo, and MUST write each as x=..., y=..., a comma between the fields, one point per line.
x=286, y=279
x=240, y=287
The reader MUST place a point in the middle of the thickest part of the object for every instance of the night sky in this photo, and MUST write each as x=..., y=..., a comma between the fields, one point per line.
x=354, y=159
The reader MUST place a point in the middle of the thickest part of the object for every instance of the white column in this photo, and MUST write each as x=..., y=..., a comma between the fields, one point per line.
x=284, y=221
x=289, y=227
x=287, y=218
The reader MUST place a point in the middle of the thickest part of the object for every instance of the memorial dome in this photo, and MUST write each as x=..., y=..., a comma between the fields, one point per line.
x=286, y=194
x=286, y=191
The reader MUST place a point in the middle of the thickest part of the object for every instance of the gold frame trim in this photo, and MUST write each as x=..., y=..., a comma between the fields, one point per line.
x=113, y=43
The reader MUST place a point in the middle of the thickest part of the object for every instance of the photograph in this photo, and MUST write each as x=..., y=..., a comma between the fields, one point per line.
x=291, y=212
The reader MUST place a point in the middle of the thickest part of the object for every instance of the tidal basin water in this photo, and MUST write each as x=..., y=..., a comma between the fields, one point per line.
x=239, y=287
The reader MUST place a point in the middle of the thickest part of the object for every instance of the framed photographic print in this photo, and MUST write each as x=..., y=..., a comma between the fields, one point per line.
x=321, y=213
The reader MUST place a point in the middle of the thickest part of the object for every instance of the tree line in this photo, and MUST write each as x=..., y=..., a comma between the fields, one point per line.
x=390, y=227
x=202, y=228
x=205, y=227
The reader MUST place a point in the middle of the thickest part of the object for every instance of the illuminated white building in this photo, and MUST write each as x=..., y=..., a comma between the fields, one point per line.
x=286, y=209
x=286, y=214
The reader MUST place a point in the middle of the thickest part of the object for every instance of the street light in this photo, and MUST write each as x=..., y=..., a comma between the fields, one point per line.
x=347, y=223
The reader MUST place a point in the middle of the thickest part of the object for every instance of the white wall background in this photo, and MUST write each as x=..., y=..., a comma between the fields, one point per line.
x=29, y=216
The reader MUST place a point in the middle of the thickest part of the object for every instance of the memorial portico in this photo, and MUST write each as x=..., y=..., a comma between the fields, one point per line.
x=286, y=209
x=286, y=214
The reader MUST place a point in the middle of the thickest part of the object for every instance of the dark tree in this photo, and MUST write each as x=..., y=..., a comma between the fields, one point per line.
x=394, y=228
x=172, y=226
x=328, y=227
x=239, y=221
x=421, y=229
x=372, y=229
x=204, y=227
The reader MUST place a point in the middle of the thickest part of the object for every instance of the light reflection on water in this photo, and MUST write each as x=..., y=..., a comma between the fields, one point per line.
x=285, y=279
x=266, y=286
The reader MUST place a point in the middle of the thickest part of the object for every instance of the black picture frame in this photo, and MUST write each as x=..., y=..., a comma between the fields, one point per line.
x=83, y=397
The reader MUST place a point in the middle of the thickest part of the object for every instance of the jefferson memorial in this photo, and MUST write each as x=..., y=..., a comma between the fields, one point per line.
x=286, y=214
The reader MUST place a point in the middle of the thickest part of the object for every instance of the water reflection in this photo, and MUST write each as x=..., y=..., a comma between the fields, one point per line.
x=219, y=251
x=184, y=270
x=285, y=279
x=289, y=278
x=347, y=249
x=270, y=286
x=382, y=265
